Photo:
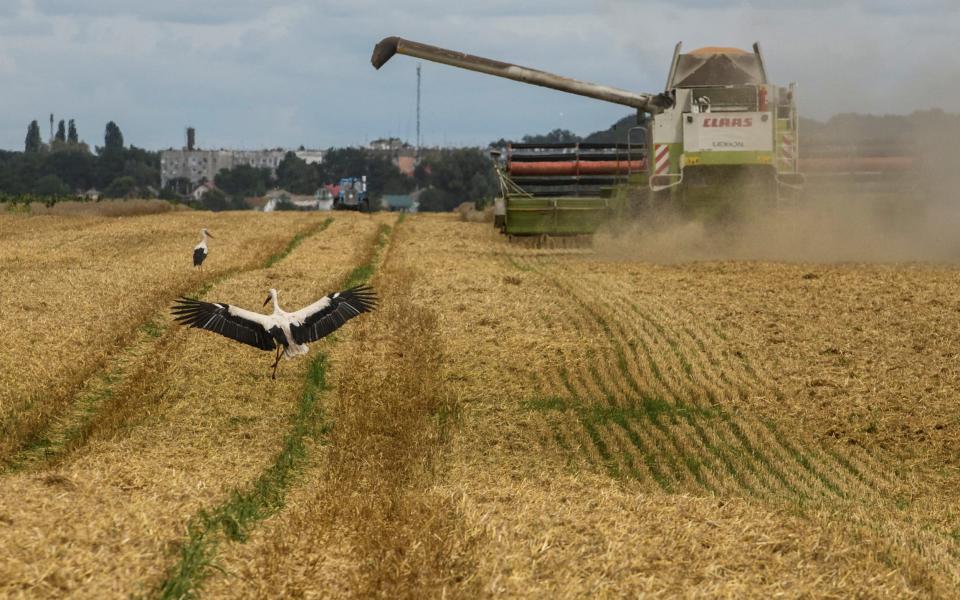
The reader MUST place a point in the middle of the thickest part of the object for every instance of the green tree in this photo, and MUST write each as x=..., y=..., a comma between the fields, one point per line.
x=121, y=187
x=109, y=166
x=456, y=176
x=110, y=157
x=215, y=200
x=243, y=181
x=112, y=137
x=29, y=168
x=433, y=200
x=343, y=162
x=61, y=135
x=72, y=133
x=51, y=186
x=32, y=142
x=480, y=190
x=73, y=166
x=142, y=172
x=76, y=168
x=557, y=136
x=148, y=157
x=618, y=133
x=296, y=176
x=168, y=193
x=382, y=175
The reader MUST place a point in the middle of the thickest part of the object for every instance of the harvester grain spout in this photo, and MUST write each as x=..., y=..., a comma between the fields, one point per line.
x=651, y=103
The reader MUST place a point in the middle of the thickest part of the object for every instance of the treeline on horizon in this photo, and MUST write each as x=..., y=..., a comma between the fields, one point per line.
x=446, y=178
x=65, y=167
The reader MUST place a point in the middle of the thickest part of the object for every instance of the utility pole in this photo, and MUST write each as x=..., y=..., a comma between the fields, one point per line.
x=418, y=112
x=51, y=128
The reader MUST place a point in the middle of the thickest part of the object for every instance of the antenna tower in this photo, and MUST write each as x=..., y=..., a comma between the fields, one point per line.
x=418, y=111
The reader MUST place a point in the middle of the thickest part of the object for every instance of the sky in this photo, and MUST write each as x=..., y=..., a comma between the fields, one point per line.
x=285, y=73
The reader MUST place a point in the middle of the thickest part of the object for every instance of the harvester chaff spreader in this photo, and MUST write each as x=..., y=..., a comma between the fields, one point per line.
x=720, y=132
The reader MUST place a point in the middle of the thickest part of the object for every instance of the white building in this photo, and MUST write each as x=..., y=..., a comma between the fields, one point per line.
x=197, y=165
x=202, y=190
x=311, y=157
x=391, y=144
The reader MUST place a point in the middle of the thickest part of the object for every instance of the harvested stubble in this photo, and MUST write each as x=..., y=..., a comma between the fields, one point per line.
x=622, y=428
x=526, y=479
x=612, y=388
x=366, y=521
x=206, y=420
x=704, y=400
x=81, y=287
x=776, y=455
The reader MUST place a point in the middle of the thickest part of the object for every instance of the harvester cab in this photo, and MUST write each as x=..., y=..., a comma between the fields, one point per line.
x=719, y=132
x=727, y=121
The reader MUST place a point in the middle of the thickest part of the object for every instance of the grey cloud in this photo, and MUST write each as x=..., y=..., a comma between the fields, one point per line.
x=18, y=25
x=286, y=73
x=431, y=9
x=212, y=12
x=898, y=7
x=206, y=12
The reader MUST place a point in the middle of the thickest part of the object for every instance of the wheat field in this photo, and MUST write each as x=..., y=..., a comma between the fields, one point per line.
x=512, y=421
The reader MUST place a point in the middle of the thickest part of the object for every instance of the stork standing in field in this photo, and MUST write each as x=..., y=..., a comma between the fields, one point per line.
x=200, y=250
x=282, y=330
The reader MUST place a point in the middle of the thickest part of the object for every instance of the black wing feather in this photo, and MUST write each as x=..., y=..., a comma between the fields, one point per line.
x=217, y=318
x=198, y=255
x=343, y=306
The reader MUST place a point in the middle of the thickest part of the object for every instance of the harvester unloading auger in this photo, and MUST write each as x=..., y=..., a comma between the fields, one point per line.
x=719, y=134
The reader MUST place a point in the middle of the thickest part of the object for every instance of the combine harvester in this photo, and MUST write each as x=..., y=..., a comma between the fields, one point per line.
x=719, y=137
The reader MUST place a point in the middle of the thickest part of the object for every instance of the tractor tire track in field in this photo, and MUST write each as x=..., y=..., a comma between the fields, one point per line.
x=232, y=520
x=105, y=399
x=646, y=393
x=743, y=380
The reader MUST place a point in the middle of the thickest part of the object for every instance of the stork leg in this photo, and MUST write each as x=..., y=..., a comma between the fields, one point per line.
x=276, y=362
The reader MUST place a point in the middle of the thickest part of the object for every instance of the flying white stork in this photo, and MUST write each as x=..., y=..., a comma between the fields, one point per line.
x=289, y=331
x=200, y=250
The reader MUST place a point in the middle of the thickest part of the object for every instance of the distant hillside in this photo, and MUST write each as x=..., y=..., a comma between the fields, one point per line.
x=617, y=133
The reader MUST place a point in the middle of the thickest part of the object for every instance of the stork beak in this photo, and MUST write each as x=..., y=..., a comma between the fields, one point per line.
x=209, y=235
x=267, y=301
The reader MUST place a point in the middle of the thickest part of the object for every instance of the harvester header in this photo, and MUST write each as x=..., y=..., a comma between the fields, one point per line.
x=384, y=51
